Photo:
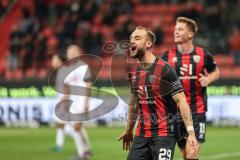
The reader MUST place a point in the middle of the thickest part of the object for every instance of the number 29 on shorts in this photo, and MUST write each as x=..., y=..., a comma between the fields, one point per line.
x=164, y=154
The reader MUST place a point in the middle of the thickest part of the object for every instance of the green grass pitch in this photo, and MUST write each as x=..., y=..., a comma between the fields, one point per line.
x=35, y=144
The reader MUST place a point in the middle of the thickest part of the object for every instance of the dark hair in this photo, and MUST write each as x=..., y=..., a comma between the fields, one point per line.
x=61, y=57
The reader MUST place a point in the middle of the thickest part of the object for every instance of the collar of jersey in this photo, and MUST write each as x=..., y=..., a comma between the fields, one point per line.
x=155, y=60
x=185, y=53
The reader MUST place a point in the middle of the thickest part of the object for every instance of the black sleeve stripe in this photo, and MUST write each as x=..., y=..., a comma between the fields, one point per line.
x=209, y=62
x=172, y=94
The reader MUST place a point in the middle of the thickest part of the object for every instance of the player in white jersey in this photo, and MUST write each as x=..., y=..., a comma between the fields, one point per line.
x=57, y=61
x=78, y=77
x=81, y=76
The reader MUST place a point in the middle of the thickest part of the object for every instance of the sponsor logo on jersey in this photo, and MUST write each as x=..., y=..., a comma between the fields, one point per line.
x=148, y=102
x=176, y=84
x=187, y=77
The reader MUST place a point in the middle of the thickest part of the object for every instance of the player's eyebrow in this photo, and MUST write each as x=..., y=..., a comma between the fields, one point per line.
x=137, y=36
x=131, y=37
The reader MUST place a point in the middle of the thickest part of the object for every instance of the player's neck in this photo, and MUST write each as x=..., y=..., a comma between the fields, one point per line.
x=147, y=60
x=185, y=47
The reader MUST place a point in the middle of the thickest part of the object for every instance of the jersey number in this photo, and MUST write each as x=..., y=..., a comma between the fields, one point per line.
x=186, y=68
x=143, y=91
x=165, y=154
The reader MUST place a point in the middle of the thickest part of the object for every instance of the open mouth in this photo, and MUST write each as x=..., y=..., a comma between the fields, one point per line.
x=133, y=48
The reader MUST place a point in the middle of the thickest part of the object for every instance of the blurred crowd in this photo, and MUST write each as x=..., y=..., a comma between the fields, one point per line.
x=90, y=23
x=53, y=26
x=219, y=23
x=4, y=5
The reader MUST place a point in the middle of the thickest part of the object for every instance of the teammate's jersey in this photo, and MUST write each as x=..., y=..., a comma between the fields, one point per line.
x=77, y=74
x=154, y=88
x=189, y=66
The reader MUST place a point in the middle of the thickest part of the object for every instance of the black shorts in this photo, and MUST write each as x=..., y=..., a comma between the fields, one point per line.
x=199, y=124
x=155, y=148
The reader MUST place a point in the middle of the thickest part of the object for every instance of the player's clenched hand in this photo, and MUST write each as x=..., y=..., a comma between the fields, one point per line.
x=192, y=147
x=203, y=80
x=126, y=139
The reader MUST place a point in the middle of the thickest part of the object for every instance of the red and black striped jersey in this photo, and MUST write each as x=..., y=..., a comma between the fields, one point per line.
x=189, y=67
x=154, y=88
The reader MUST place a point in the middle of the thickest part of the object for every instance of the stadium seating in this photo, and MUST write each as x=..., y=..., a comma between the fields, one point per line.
x=164, y=13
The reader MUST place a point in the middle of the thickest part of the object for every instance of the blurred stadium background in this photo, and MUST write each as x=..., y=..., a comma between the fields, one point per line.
x=31, y=31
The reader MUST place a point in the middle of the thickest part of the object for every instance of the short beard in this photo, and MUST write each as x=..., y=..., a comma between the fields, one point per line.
x=140, y=53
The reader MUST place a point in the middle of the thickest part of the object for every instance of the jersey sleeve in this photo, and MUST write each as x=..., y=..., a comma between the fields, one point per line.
x=210, y=64
x=171, y=76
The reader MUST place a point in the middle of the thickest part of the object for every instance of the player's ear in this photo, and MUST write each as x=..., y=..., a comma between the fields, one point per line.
x=149, y=44
x=190, y=34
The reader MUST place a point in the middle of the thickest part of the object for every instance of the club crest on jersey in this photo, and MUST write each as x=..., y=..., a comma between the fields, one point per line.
x=174, y=59
x=196, y=58
x=152, y=78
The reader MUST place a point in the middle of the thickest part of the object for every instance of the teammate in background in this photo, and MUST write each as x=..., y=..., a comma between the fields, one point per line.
x=196, y=69
x=156, y=92
x=79, y=77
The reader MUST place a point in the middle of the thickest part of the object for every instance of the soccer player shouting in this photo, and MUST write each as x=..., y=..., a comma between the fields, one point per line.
x=196, y=70
x=156, y=93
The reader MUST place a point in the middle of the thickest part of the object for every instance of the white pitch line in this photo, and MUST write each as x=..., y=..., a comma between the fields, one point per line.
x=219, y=156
